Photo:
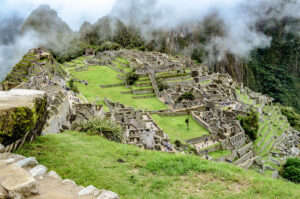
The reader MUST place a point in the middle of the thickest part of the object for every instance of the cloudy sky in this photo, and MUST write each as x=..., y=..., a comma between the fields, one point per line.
x=74, y=12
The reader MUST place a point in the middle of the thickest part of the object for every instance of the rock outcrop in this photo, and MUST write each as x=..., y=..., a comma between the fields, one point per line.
x=22, y=116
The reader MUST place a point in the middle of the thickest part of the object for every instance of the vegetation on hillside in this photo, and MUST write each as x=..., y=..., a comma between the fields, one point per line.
x=73, y=87
x=131, y=78
x=250, y=124
x=186, y=96
x=291, y=170
x=106, y=128
x=292, y=116
x=274, y=70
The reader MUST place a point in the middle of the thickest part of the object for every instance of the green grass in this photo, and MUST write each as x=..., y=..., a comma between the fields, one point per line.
x=209, y=147
x=103, y=75
x=176, y=128
x=124, y=61
x=89, y=159
x=219, y=154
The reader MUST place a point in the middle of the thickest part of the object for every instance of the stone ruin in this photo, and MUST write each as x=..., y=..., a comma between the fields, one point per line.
x=220, y=88
x=140, y=128
x=84, y=112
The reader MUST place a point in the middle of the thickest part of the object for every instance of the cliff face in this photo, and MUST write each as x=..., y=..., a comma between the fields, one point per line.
x=22, y=116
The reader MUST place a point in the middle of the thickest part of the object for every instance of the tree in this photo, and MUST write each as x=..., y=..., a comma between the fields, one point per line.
x=250, y=124
x=292, y=116
x=186, y=96
x=131, y=78
x=291, y=170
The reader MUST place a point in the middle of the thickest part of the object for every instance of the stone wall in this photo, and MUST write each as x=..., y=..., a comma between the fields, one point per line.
x=199, y=139
x=55, y=123
x=201, y=122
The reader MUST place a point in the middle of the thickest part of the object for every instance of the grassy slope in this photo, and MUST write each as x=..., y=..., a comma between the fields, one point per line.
x=175, y=127
x=102, y=75
x=91, y=159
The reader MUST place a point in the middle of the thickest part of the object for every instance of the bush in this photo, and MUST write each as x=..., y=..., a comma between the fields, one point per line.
x=73, y=87
x=105, y=128
x=177, y=143
x=109, y=46
x=186, y=96
x=161, y=86
x=250, y=124
x=291, y=170
x=292, y=116
x=199, y=54
x=131, y=78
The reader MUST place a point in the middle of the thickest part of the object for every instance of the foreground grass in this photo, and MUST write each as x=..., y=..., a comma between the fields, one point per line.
x=90, y=159
x=176, y=128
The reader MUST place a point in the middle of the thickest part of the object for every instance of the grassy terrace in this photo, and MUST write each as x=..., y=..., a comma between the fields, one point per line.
x=219, y=154
x=90, y=159
x=176, y=128
x=103, y=75
x=271, y=124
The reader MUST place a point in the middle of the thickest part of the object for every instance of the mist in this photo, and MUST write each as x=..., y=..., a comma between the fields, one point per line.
x=239, y=19
x=13, y=45
x=239, y=16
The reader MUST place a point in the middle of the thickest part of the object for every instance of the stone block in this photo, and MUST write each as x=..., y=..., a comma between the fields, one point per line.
x=54, y=175
x=2, y=148
x=108, y=195
x=17, y=181
x=88, y=190
x=67, y=181
x=38, y=171
x=27, y=162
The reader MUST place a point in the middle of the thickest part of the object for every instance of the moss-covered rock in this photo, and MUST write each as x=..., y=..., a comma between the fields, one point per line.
x=20, y=117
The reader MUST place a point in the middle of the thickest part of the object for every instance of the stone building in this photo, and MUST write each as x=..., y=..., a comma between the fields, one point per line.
x=140, y=128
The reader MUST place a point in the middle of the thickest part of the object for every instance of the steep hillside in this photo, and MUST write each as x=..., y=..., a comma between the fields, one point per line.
x=45, y=22
x=35, y=62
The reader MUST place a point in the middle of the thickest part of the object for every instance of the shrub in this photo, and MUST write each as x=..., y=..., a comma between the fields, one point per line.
x=177, y=143
x=106, y=128
x=186, y=96
x=291, y=170
x=161, y=86
x=292, y=116
x=250, y=124
x=109, y=46
x=73, y=87
x=199, y=54
x=131, y=78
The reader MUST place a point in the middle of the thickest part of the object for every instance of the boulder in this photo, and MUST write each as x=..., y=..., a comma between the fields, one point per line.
x=108, y=195
x=2, y=148
x=88, y=190
x=38, y=171
x=27, y=162
x=275, y=174
x=22, y=115
x=54, y=175
x=67, y=181
x=17, y=181
x=295, y=151
x=3, y=193
x=9, y=161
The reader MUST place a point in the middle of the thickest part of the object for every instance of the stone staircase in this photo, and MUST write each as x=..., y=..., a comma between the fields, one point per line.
x=154, y=84
x=22, y=177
